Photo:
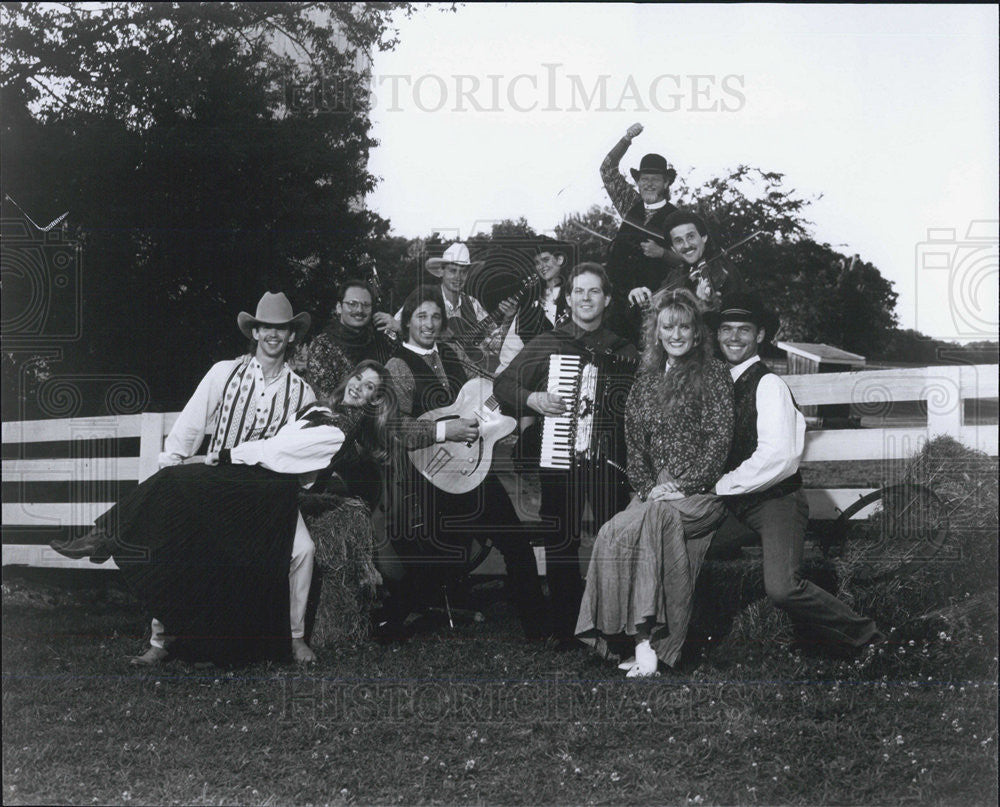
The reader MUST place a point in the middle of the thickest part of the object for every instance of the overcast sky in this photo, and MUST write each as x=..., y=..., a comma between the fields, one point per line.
x=499, y=111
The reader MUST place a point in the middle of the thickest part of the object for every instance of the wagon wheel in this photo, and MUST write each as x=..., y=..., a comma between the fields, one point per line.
x=901, y=528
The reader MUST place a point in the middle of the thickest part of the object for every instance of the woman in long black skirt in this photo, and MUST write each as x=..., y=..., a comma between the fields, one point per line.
x=206, y=547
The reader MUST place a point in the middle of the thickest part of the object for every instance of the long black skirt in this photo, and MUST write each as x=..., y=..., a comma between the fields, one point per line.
x=206, y=550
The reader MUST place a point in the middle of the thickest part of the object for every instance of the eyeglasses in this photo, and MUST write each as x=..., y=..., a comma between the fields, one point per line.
x=357, y=305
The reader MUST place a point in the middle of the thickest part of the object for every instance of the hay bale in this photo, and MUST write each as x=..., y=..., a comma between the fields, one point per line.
x=345, y=577
x=727, y=588
x=918, y=580
x=954, y=527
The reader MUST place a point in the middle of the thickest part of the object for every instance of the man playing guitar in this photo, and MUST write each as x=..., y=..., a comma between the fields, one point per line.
x=429, y=529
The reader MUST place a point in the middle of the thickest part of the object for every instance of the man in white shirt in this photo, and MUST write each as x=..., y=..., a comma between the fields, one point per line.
x=762, y=484
x=239, y=401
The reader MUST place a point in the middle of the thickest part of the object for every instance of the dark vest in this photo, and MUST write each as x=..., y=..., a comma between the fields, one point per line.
x=428, y=392
x=745, y=440
x=627, y=266
x=531, y=319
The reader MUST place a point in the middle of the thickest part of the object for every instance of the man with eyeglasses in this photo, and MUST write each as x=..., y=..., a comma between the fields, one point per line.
x=351, y=337
x=522, y=389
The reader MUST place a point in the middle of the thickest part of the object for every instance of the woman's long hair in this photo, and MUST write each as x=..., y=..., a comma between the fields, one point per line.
x=683, y=383
x=372, y=430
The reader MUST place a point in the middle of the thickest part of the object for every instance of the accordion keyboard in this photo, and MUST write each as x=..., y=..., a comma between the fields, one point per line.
x=567, y=437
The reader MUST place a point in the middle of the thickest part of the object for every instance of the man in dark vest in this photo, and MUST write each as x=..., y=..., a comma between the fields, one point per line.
x=522, y=388
x=429, y=529
x=762, y=484
x=639, y=256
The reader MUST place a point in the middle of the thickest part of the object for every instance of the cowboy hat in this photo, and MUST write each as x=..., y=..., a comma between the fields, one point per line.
x=744, y=307
x=273, y=309
x=457, y=253
x=655, y=164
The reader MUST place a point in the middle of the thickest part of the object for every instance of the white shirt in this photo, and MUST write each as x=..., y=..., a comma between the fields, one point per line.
x=420, y=351
x=298, y=448
x=201, y=412
x=780, y=438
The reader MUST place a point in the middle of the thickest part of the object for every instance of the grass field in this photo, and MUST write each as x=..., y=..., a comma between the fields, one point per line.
x=476, y=716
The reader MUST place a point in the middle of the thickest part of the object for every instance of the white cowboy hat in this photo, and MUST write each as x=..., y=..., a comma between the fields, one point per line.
x=457, y=253
x=274, y=309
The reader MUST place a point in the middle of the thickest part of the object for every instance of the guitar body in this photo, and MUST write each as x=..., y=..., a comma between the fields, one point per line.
x=470, y=335
x=460, y=467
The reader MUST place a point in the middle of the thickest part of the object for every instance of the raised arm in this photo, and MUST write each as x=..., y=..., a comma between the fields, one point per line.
x=622, y=194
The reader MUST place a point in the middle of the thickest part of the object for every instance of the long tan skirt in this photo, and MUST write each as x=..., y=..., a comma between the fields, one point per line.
x=645, y=562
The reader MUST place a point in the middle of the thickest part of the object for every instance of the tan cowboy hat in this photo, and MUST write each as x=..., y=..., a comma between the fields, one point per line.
x=457, y=253
x=274, y=309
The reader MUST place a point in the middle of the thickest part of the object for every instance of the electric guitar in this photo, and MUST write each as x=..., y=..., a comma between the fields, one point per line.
x=456, y=467
x=470, y=335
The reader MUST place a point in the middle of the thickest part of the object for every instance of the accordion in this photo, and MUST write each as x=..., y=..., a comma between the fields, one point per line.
x=595, y=389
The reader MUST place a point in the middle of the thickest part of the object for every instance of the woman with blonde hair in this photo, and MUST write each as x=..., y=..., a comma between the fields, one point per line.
x=678, y=424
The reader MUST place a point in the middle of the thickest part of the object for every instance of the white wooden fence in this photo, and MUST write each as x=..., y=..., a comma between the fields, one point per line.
x=48, y=497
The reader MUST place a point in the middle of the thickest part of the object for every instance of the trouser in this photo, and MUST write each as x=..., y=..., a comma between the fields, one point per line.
x=432, y=533
x=564, y=495
x=300, y=573
x=781, y=524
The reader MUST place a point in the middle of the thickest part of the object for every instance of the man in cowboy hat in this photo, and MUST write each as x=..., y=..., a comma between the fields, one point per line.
x=710, y=278
x=762, y=485
x=240, y=400
x=639, y=256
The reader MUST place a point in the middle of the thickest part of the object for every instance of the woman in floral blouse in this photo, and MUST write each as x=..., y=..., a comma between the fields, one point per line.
x=679, y=424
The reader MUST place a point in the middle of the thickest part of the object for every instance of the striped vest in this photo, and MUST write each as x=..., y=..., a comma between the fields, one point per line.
x=245, y=415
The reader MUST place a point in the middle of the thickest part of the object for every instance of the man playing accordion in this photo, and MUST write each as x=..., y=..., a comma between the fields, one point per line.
x=593, y=477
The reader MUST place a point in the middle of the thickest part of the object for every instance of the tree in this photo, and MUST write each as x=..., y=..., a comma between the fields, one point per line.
x=201, y=164
x=597, y=219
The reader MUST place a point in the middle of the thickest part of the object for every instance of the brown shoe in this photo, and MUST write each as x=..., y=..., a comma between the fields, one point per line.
x=96, y=545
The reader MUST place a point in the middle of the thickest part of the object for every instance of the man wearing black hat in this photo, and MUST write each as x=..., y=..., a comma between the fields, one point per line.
x=639, y=256
x=762, y=485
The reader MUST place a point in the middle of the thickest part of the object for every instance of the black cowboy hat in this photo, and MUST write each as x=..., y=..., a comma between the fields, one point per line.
x=655, y=164
x=744, y=307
